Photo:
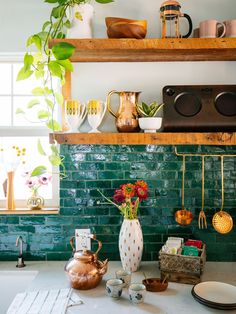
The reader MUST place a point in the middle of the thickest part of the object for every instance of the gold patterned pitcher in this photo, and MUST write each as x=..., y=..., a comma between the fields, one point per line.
x=127, y=115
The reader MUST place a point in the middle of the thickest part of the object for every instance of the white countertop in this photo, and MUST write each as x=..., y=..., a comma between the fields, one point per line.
x=176, y=299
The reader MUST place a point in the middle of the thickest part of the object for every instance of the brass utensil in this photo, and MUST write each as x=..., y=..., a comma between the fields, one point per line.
x=183, y=217
x=222, y=221
x=202, y=223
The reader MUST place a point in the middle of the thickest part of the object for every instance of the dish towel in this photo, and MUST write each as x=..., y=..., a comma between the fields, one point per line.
x=44, y=302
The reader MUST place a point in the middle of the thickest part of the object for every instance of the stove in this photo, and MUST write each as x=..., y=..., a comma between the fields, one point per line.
x=198, y=108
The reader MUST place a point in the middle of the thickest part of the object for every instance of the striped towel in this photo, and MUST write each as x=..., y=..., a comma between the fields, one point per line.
x=43, y=302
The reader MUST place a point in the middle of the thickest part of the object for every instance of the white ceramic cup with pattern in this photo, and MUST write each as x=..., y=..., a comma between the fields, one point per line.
x=125, y=276
x=114, y=288
x=137, y=292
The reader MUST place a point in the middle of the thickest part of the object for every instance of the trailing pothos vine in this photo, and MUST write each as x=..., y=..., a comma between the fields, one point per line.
x=45, y=64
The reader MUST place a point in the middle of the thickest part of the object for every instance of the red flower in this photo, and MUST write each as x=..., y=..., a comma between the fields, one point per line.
x=141, y=184
x=128, y=190
x=119, y=196
x=142, y=193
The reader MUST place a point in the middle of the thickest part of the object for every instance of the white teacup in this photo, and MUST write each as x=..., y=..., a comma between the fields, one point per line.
x=137, y=292
x=125, y=276
x=114, y=288
x=75, y=114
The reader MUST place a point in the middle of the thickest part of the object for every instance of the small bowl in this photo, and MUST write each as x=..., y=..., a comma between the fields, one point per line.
x=155, y=284
x=150, y=125
x=125, y=28
x=183, y=217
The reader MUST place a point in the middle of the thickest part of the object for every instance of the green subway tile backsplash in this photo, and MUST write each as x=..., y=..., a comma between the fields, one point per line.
x=106, y=167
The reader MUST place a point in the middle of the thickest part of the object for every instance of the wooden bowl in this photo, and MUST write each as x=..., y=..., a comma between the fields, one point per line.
x=125, y=28
x=183, y=217
x=155, y=284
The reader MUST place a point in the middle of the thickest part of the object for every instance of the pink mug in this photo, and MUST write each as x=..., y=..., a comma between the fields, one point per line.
x=211, y=29
x=230, y=28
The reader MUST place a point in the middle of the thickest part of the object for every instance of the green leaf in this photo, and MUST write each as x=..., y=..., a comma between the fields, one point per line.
x=49, y=103
x=60, y=35
x=40, y=148
x=38, y=91
x=32, y=103
x=59, y=98
x=28, y=61
x=104, y=1
x=47, y=91
x=55, y=160
x=45, y=25
x=43, y=35
x=51, y=1
x=53, y=125
x=66, y=64
x=62, y=51
x=57, y=12
x=145, y=107
x=67, y=24
x=55, y=69
x=54, y=149
x=37, y=42
x=19, y=111
x=38, y=74
x=24, y=74
x=38, y=171
x=42, y=114
x=62, y=1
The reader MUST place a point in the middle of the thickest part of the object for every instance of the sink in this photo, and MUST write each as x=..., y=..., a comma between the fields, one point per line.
x=13, y=282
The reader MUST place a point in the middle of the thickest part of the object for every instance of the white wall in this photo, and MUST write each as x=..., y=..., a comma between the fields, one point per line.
x=20, y=18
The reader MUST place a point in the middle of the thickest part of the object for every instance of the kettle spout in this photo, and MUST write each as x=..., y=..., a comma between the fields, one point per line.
x=103, y=267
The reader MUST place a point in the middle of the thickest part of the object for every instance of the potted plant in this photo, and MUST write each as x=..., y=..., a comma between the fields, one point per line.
x=45, y=65
x=148, y=120
x=127, y=199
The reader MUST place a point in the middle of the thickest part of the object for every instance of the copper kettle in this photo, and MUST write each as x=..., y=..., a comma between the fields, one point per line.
x=84, y=270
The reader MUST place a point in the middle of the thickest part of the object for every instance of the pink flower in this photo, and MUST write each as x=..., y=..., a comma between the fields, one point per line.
x=44, y=179
x=31, y=182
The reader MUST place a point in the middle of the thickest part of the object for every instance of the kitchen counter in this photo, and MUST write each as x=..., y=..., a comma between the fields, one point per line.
x=176, y=299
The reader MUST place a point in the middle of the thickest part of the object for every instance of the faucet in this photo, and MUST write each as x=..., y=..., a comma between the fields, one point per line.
x=20, y=261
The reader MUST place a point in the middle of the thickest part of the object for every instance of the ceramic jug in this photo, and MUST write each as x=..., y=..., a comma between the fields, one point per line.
x=127, y=115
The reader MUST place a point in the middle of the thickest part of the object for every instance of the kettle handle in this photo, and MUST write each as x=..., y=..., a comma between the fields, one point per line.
x=72, y=244
x=93, y=236
x=108, y=102
x=190, y=25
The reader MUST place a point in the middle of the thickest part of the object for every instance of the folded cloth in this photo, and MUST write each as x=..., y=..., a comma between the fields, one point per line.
x=44, y=302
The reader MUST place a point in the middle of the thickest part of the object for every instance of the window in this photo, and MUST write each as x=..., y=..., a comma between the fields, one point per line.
x=24, y=132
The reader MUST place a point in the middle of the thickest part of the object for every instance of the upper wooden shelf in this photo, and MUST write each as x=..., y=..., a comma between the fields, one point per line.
x=149, y=50
x=144, y=138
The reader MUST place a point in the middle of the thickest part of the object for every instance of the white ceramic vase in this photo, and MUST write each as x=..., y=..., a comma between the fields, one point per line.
x=81, y=17
x=131, y=244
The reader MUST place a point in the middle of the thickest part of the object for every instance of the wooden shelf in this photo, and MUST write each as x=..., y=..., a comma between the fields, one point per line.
x=22, y=211
x=144, y=138
x=149, y=50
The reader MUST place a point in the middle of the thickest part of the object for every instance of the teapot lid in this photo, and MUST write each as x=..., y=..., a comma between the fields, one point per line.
x=85, y=256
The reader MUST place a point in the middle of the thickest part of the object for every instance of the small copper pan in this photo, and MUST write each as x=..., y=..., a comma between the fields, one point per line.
x=183, y=216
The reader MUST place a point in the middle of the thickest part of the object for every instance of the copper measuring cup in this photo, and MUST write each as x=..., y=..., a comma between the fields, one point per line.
x=222, y=221
x=183, y=217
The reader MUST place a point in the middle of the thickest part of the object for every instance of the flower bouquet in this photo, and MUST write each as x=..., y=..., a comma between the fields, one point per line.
x=124, y=200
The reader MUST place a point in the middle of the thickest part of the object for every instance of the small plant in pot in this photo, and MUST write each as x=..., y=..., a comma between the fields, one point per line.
x=148, y=120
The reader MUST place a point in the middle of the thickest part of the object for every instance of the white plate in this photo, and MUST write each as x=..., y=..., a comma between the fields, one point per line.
x=218, y=292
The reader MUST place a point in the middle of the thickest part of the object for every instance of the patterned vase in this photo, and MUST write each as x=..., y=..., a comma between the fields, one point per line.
x=131, y=244
x=35, y=202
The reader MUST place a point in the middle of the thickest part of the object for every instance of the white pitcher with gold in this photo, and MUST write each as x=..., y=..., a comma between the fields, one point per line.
x=96, y=113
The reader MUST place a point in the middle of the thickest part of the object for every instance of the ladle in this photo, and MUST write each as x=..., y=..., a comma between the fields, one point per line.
x=222, y=221
x=183, y=217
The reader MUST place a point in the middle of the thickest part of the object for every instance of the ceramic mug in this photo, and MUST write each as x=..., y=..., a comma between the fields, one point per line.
x=114, y=288
x=211, y=29
x=75, y=114
x=230, y=28
x=137, y=292
x=125, y=276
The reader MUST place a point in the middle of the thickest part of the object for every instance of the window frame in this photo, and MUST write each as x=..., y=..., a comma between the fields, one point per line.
x=23, y=131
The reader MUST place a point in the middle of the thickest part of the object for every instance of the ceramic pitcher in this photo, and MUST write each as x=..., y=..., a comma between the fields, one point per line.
x=127, y=115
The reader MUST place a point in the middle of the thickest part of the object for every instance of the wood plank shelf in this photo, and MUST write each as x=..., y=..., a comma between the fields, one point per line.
x=151, y=50
x=144, y=138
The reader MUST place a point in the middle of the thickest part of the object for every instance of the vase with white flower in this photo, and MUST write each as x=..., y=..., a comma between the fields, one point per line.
x=127, y=199
x=34, y=180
